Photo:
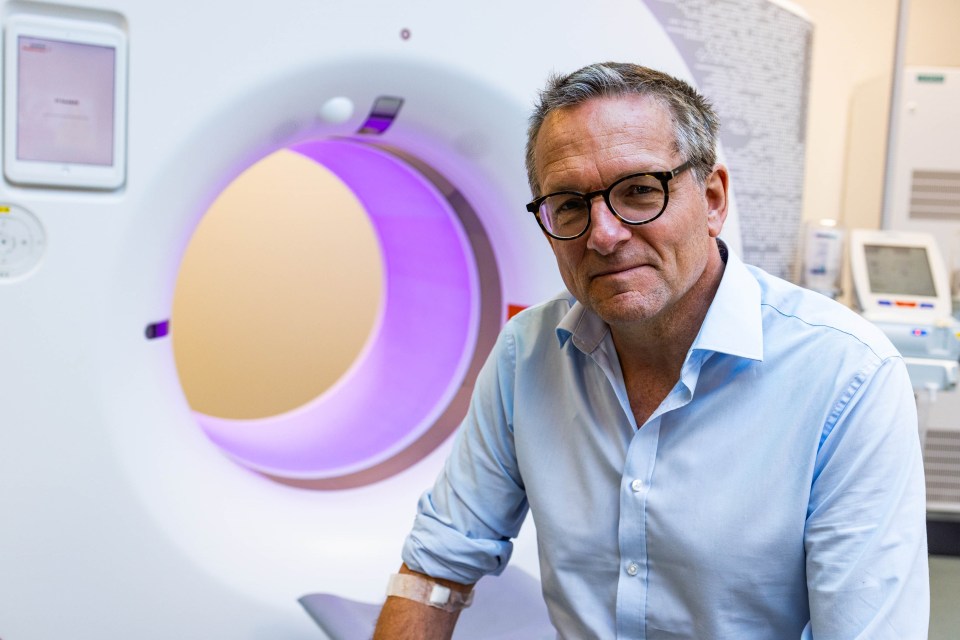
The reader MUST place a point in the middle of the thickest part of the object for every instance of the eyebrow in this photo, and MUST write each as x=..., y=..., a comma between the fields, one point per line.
x=620, y=176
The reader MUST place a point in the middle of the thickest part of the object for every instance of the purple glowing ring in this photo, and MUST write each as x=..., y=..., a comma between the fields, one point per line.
x=415, y=360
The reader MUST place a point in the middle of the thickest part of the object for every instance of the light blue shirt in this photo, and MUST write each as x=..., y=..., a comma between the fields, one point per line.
x=777, y=492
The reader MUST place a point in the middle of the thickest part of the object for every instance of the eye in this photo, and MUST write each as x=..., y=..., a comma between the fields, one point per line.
x=639, y=186
x=567, y=204
x=565, y=213
x=640, y=189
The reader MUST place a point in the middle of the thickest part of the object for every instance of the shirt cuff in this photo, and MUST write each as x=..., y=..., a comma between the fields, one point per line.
x=441, y=551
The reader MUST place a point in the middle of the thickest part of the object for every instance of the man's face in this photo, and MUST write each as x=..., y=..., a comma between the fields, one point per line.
x=629, y=273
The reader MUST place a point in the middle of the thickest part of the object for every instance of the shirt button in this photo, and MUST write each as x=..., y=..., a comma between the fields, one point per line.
x=636, y=485
x=632, y=569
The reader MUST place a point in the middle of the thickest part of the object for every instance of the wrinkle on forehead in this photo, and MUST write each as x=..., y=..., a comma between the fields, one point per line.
x=610, y=141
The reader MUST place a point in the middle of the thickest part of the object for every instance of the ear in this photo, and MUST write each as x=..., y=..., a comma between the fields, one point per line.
x=717, y=184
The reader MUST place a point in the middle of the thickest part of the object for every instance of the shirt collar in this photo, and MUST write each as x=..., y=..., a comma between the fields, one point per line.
x=733, y=324
x=583, y=325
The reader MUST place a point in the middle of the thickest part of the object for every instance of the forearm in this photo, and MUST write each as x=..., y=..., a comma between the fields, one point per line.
x=404, y=619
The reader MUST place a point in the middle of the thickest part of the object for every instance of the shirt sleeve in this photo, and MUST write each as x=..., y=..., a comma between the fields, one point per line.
x=865, y=537
x=465, y=523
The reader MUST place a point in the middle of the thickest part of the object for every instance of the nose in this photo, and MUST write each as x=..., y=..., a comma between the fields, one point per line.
x=607, y=231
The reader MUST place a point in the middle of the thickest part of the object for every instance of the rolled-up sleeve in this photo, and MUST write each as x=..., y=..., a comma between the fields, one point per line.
x=865, y=537
x=465, y=522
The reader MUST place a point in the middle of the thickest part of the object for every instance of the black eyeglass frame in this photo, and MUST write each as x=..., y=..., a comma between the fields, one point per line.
x=664, y=177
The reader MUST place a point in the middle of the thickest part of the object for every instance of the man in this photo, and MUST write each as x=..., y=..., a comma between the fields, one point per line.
x=707, y=451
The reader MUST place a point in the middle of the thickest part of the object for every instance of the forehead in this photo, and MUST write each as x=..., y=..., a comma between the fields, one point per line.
x=602, y=138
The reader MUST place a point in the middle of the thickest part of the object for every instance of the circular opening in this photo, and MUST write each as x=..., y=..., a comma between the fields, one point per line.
x=255, y=335
x=413, y=362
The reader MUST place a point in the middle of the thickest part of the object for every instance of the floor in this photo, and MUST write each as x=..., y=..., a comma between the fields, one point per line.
x=944, y=597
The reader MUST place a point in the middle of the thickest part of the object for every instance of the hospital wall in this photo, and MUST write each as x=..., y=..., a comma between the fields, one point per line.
x=850, y=83
x=849, y=101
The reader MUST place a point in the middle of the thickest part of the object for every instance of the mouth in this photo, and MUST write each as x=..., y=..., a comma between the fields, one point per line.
x=616, y=271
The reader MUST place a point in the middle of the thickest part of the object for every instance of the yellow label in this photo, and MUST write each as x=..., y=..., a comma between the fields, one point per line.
x=4, y=209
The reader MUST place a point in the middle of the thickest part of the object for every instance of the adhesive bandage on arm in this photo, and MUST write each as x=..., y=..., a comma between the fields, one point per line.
x=428, y=592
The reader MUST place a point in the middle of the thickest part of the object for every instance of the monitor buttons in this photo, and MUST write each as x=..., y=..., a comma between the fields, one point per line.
x=22, y=242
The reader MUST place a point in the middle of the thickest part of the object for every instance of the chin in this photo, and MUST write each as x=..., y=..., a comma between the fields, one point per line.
x=627, y=308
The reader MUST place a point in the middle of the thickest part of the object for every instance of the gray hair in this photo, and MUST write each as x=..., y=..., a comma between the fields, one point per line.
x=696, y=126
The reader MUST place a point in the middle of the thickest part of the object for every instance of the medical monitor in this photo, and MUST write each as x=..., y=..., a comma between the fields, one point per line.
x=899, y=275
x=65, y=103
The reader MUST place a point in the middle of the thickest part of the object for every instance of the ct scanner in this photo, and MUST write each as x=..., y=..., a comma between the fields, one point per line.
x=124, y=514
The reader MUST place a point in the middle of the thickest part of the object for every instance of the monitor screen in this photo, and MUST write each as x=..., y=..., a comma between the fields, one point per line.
x=65, y=102
x=899, y=270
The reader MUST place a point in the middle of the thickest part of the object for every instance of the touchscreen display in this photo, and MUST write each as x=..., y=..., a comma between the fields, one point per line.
x=65, y=102
x=899, y=270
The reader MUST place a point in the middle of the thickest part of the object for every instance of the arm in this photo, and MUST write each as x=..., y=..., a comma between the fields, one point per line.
x=403, y=619
x=865, y=535
x=465, y=522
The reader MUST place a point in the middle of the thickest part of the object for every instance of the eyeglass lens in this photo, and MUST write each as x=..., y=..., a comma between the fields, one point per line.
x=636, y=199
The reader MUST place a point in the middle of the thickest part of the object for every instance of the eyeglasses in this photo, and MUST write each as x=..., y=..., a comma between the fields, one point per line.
x=635, y=199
